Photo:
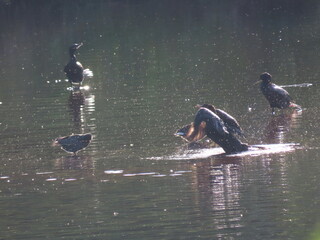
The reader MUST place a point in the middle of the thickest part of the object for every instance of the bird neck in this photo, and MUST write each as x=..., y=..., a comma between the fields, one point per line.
x=265, y=83
x=72, y=55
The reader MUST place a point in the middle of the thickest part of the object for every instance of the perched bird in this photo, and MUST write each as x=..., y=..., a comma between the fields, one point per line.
x=74, y=69
x=276, y=96
x=207, y=123
x=230, y=122
x=74, y=143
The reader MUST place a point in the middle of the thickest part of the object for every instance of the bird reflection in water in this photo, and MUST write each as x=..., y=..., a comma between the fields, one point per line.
x=76, y=105
x=280, y=125
x=218, y=184
x=80, y=107
x=74, y=162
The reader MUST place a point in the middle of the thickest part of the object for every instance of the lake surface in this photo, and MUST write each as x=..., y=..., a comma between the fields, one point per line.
x=153, y=61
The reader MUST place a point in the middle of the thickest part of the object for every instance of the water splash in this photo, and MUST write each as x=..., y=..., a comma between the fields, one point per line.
x=254, y=150
x=76, y=88
x=87, y=73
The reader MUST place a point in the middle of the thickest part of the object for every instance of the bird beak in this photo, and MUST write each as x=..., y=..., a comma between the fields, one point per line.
x=178, y=134
x=54, y=143
x=80, y=45
x=256, y=82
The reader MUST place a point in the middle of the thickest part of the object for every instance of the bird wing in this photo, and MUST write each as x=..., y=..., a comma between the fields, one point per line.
x=201, y=133
x=211, y=118
x=230, y=122
x=73, y=67
x=280, y=91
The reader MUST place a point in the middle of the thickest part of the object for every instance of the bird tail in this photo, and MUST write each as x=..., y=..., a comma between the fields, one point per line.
x=296, y=106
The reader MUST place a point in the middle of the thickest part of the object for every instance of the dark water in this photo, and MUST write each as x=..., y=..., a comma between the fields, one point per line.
x=152, y=62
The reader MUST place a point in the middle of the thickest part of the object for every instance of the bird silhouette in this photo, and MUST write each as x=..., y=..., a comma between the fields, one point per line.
x=74, y=143
x=230, y=122
x=74, y=69
x=207, y=123
x=276, y=95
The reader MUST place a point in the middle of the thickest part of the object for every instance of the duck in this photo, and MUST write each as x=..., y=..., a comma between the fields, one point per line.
x=74, y=69
x=276, y=95
x=207, y=123
x=74, y=142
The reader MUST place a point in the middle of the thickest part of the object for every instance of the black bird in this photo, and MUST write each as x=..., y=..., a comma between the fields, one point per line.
x=74, y=69
x=208, y=123
x=230, y=122
x=276, y=96
x=74, y=143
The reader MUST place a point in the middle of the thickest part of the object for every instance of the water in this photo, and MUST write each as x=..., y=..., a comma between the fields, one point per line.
x=153, y=61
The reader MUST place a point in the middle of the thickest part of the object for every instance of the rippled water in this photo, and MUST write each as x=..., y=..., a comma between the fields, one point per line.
x=153, y=61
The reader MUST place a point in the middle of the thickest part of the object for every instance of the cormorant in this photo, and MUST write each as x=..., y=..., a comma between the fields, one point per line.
x=74, y=69
x=276, y=96
x=230, y=122
x=74, y=143
x=207, y=123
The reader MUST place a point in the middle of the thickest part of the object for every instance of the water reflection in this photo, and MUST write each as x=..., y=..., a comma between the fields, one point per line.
x=278, y=126
x=81, y=108
x=74, y=162
x=153, y=59
x=76, y=103
x=218, y=182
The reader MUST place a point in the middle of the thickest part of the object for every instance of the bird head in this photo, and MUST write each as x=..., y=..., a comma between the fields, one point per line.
x=74, y=47
x=55, y=142
x=265, y=77
x=207, y=106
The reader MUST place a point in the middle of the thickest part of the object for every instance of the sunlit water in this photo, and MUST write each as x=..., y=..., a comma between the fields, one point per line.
x=153, y=61
x=254, y=150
